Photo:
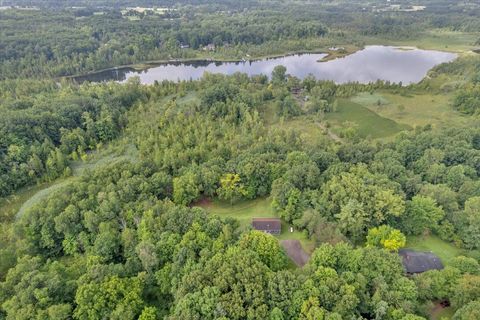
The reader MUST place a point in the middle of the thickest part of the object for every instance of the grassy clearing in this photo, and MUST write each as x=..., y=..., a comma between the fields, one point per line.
x=439, y=39
x=414, y=110
x=370, y=99
x=245, y=210
x=306, y=125
x=133, y=18
x=445, y=250
x=369, y=123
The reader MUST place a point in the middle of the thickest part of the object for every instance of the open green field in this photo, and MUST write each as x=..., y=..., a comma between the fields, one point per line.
x=245, y=210
x=445, y=250
x=414, y=110
x=368, y=122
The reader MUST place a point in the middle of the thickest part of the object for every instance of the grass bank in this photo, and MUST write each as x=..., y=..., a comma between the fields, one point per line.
x=367, y=122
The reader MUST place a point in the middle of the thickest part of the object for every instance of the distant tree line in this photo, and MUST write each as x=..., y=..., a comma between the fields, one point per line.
x=77, y=40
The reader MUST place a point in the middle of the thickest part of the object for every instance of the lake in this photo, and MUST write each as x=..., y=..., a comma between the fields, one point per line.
x=406, y=65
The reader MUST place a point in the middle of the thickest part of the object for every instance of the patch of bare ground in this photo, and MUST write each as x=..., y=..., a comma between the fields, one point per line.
x=295, y=251
x=204, y=203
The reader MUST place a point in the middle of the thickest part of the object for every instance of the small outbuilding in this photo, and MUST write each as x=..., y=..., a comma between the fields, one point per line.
x=418, y=261
x=267, y=225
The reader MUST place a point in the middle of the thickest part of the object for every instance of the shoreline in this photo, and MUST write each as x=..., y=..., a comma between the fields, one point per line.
x=145, y=65
x=347, y=50
x=329, y=56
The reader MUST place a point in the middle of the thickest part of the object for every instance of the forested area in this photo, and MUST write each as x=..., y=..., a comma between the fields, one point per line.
x=43, y=126
x=122, y=242
x=131, y=235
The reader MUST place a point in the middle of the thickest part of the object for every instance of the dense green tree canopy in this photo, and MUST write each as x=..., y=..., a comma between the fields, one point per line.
x=108, y=190
x=120, y=240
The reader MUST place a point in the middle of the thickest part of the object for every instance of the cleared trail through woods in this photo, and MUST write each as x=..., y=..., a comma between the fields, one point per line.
x=78, y=169
x=332, y=135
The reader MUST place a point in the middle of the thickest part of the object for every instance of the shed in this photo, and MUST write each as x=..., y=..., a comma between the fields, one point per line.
x=418, y=261
x=267, y=225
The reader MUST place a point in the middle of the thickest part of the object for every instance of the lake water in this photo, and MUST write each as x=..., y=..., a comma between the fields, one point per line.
x=406, y=65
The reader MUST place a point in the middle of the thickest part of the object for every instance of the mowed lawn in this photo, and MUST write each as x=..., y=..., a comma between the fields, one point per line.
x=245, y=210
x=414, y=110
x=368, y=122
x=445, y=250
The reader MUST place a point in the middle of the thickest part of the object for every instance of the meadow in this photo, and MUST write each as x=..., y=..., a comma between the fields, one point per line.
x=412, y=110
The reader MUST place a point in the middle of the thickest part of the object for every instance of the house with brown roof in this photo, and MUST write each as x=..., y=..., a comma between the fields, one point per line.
x=267, y=225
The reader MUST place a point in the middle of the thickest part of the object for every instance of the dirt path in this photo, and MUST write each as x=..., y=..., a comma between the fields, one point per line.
x=332, y=135
x=441, y=310
x=41, y=195
x=295, y=251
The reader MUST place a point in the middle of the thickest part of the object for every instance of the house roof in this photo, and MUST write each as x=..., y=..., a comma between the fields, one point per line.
x=417, y=261
x=266, y=224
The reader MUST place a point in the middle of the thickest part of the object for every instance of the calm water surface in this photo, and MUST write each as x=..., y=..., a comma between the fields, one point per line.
x=368, y=65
